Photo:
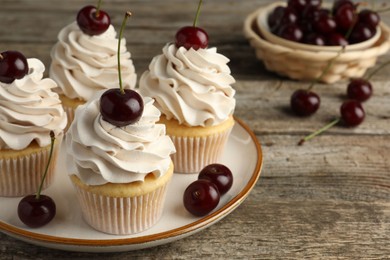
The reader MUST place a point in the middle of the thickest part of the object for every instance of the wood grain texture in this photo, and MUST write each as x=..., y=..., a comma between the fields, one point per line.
x=327, y=199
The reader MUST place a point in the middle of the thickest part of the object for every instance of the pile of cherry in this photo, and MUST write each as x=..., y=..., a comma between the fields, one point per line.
x=306, y=21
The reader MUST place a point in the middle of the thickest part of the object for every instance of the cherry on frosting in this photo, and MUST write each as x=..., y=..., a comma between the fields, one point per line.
x=13, y=65
x=119, y=106
x=92, y=20
x=192, y=36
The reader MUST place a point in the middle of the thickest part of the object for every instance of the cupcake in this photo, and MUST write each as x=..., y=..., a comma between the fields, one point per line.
x=29, y=110
x=193, y=91
x=83, y=64
x=120, y=173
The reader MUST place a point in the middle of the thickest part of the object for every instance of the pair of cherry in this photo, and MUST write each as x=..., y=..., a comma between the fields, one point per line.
x=306, y=103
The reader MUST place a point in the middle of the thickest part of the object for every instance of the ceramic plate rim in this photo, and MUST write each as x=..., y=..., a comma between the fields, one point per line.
x=177, y=232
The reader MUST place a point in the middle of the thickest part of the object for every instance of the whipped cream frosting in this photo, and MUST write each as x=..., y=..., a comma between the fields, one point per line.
x=103, y=153
x=29, y=110
x=191, y=86
x=83, y=64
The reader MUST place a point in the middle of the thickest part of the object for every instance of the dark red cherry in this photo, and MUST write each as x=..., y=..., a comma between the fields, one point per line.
x=314, y=39
x=192, y=37
x=13, y=65
x=218, y=174
x=361, y=32
x=345, y=17
x=324, y=24
x=369, y=17
x=201, y=197
x=314, y=3
x=36, y=212
x=339, y=3
x=336, y=39
x=352, y=113
x=359, y=89
x=297, y=5
x=91, y=22
x=289, y=16
x=290, y=32
x=121, y=109
x=304, y=102
x=275, y=17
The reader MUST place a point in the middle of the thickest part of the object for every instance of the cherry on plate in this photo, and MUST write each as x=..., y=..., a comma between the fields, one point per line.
x=218, y=174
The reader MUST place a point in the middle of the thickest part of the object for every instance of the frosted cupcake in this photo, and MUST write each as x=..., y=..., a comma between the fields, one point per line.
x=29, y=110
x=120, y=173
x=83, y=64
x=192, y=89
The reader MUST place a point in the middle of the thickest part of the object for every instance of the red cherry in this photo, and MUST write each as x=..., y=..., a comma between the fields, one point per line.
x=359, y=89
x=290, y=32
x=336, y=39
x=361, y=32
x=201, y=197
x=121, y=109
x=352, y=113
x=192, y=37
x=92, y=22
x=13, y=65
x=369, y=17
x=304, y=102
x=325, y=24
x=345, y=17
x=218, y=174
x=36, y=212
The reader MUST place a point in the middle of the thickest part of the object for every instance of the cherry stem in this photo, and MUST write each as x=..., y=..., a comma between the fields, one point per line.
x=197, y=13
x=319, y=131
x=98, y=8
x=377, y=69
x=127, y=15
x=52, y=137
x=328, y=66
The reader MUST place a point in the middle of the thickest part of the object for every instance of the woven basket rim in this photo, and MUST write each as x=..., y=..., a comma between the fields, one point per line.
x=252, y=33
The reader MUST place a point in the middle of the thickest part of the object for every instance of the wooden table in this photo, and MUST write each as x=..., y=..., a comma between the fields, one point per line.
x=329, y=198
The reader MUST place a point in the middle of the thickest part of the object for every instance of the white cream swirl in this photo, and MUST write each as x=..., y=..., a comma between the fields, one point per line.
x=29, y=110
x=193, y=87
x=103, y=153
x=83, y=64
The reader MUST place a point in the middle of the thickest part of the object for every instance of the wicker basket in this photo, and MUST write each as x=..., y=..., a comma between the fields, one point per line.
x=308, y=65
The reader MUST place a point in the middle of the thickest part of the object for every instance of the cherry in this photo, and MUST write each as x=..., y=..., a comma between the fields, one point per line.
x=359, y=89
x=345, y=17
x=336, y=39
x=92, y=20
x=119, y=106
x=314, y=39
x=369, y=17
x=352, y=113
x=298, y=5
x=325, y=24
x=361, y=32
x=201, y=197
x=290, y=32
x=38, y=210
x=192, y=36
x=304, y=102
x=275, y=17
x=218, y=174
x=289, y=16
x=339, y=3
x=13, y=65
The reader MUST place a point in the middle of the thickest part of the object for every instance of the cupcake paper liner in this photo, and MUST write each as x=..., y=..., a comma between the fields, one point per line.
x=21, y=175
x=122, y=215
x=194, y=153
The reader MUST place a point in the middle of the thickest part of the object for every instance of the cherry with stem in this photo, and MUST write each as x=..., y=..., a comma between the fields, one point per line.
x=92, y=20
x=13, y=65
x=192, y=36
x=305, y=102
x=352, y=114
x=37, y=210
x=120, y=106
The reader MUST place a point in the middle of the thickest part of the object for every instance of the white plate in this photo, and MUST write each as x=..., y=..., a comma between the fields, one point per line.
x=68, y=231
